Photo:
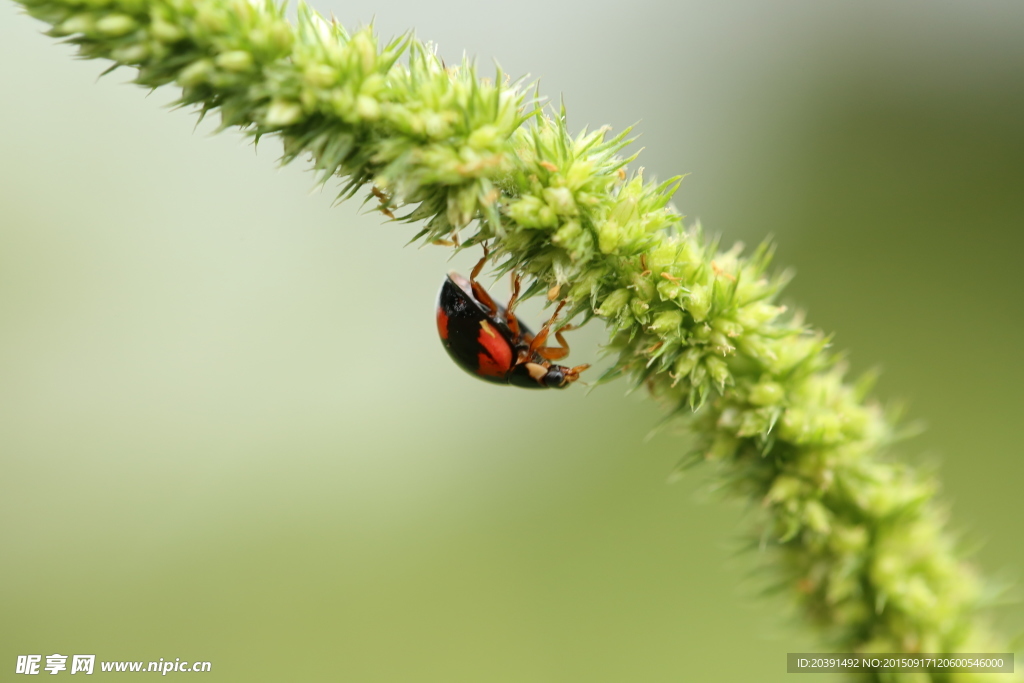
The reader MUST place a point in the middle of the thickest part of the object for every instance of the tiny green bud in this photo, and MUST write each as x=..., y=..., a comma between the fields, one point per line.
x=130, y=54
x=917, y=597
x=342, y=101
x=276, y=38
x=667, y=323
x=767, y=393
x=754, y=315
x=461, y=206
x=663, y=256
x=848, y=539
x=724, y=446
x=669, y=291
x=827, y=428
x=530, y=212
x=625, y=210
x=719, y=370
x=698, y=374
x=643, y=287
x=78, y=23
x=701, y=333
x=729, y=328
x=687, y=362
x=116, y=25
x=236, y=60
x=363, y=45
x=578, y=173
x=484, y=137
x=279, y=36
x=609, y=236
x=639, y=307
x=757, y=348
x=793, y=426
x=817, y=517
x=785, y=488
x=568, y=232
x=211, y=20
x=436, y=126
x=570, y=236
x=376, y=83
x=282, y=113
x=698, y=302
x=614, y=302
x=195, y=73
x=583, y=288
x=547, y=217
x=165, y=32
x=368, y=108
x=561, y=201
x=753, y=423
x=730, y=419
x=721, y=343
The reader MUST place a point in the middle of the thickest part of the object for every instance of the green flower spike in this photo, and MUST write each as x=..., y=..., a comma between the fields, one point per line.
x=854, y=534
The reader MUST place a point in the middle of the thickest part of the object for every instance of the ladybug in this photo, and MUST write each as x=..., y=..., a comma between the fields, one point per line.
x=487, y=340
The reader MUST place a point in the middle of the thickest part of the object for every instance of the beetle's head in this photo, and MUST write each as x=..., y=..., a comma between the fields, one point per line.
x=555, y=376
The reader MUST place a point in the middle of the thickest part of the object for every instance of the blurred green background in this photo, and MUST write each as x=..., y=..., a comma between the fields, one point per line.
x=229, y=433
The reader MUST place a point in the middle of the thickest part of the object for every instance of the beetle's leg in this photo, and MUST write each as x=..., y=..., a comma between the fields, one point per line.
x=573, y=374
x=483, y=297
x=542, y=336
x=453, y=242
x=478, y=290
x=384, y=200
x=556, y=352
x=480, y=264
x=510, y=318
x=523, y=354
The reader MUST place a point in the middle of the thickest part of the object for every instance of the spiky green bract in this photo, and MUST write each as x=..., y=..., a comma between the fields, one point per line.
x=855, y=534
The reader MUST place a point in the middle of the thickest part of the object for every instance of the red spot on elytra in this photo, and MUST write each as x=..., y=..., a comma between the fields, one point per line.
x=496, y=360
x=442, y=323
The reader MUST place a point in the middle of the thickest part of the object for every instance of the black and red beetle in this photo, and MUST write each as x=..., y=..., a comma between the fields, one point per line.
x=488, y=341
